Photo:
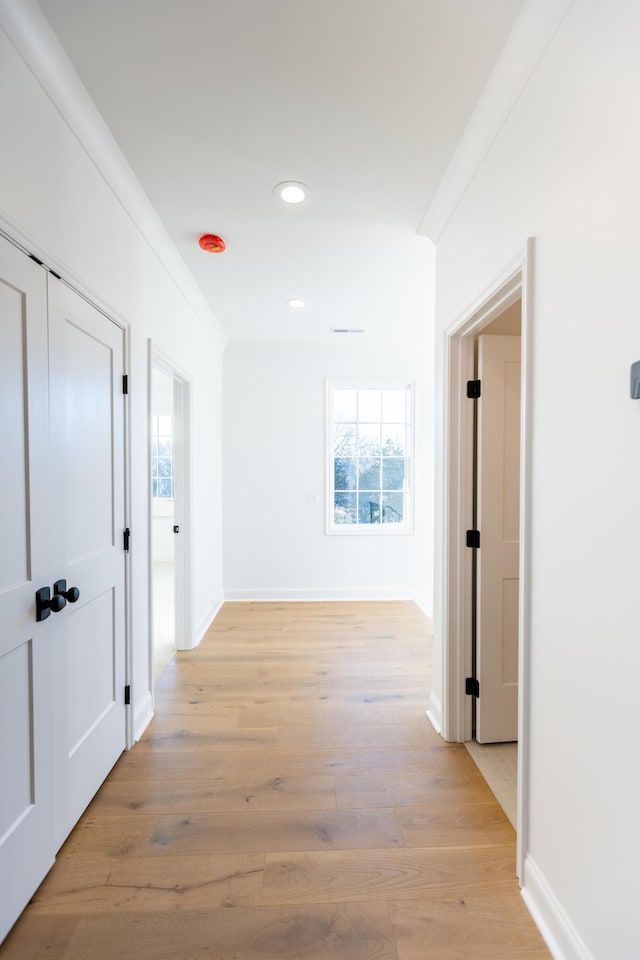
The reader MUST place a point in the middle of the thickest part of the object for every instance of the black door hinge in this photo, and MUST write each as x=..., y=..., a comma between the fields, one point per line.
x=127, y=695
x=126, y=536
x=472, y=687
x=473, y=539
x=33, y=257
x=473, y=389
x=125, y=383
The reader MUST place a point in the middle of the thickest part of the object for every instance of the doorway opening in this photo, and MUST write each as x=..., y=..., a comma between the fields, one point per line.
x=495, y=565
x=472, y=682
x=162, y=518
x=169, y=561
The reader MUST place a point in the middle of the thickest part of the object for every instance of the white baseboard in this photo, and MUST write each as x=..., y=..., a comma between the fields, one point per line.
x=560, y=935
x=206, y=620
x=319, y=595
x=143, y=716
x=435, y=712
x=426, y=608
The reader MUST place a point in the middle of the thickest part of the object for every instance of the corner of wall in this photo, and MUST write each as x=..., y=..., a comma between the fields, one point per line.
x=434, y=713
x=206, y=620
x=143, y=716
x=559, y=934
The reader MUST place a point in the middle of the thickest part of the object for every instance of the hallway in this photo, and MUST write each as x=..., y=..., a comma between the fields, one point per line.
x=289, y=800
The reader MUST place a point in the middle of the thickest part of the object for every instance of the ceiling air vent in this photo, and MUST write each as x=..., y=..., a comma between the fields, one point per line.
x=346, y=330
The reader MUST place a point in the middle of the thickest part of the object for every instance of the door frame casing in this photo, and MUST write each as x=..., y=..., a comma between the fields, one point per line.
x=183, y=556
x=514, y=283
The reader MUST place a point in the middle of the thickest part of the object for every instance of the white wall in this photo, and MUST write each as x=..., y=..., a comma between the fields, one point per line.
x=56, y=200
x=564, y=169
x=275, y=544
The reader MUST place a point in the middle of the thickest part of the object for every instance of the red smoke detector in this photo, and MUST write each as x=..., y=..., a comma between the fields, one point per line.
x=211, y=243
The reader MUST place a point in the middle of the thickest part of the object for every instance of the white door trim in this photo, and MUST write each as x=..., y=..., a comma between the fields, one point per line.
x=184, y=598
x=185, y=639
x=515, y=282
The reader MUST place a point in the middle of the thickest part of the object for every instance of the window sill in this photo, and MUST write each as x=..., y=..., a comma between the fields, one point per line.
x=375, y=530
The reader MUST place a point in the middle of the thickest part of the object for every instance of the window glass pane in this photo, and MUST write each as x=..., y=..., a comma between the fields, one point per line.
x=369, y=473
x=393, y=474
x=165, y=448
x=369, y=439
x=369, y=508
x=394, y=406
x=165, y=426
x=345, y=440
x=392, y=507
x=154, y=488
x=164, y=466
x=344, y=508
x=344, y=473
x=369, y=406
x=154, y=448
x=393, y=439
x=165, y=488
x=344, y=405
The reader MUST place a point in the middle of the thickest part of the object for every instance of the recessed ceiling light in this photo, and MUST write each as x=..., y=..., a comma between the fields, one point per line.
x=295, y=303
x=292, y=192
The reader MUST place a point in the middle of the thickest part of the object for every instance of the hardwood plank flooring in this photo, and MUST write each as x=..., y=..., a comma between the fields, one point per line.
x=289, y=800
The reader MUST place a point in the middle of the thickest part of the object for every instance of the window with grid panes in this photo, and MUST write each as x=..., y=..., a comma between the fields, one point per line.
x=370, y=439
x=162, y=458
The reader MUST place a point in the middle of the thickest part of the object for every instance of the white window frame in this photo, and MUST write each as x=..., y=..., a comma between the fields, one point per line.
x=370, y=529
x=155, y=437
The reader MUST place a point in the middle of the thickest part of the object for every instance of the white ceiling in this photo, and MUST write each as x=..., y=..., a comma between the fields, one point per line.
x=213, y=102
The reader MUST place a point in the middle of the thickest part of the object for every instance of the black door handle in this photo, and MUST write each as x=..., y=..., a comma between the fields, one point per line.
x=176, y=528
x=45, y=603
x=60, y=590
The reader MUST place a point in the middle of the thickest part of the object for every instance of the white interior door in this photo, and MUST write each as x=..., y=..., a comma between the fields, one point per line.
x=498, y=501
x=88, y=423
x=26, y=652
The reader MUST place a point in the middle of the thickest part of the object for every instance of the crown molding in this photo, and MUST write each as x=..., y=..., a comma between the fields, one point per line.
x=30, y=33
x=528, y=41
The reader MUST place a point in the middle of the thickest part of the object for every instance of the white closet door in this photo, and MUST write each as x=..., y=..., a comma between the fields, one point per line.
x=498, y=521
x=27, y=512
x=87, y=355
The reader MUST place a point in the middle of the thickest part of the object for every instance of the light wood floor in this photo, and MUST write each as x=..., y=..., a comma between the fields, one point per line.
x=290, y=801
x=164, y=632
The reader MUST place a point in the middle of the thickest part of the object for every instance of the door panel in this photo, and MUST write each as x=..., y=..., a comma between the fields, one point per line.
x=26, y=741
x=498, y=500
x=88, y=411
x=14, y=563
x=91, y=659
x=16, y=755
